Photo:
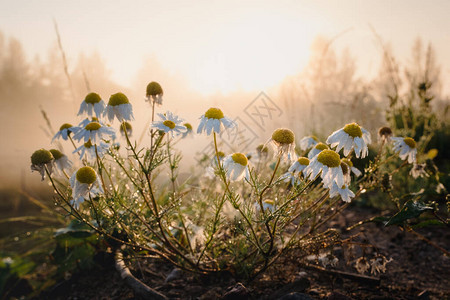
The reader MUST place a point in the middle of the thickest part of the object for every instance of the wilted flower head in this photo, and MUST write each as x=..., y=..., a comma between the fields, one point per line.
x=362, y=265
x=351, y=137
x=64, y=131
x=236, y=166
x=120, y=107
x=378, y=264
x=93, y=103
x=349, y=163
x=406, y=148
x=154, y=93
x=418, y=170
x=214, y=119
x=307, y=142
x=61, y=161
x=170, y=124
x=283, y=143
x=126, y=126
x=384, y=134
x=317, y=149
x=85, y=183
x=41, y=159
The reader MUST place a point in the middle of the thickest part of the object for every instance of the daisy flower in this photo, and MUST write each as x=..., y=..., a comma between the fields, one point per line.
x=236, y=166
x=328, y=164
x=349, y=163
x=283, y=143
x=418, y=170
x=345, y=193
x=154, y=93
x=189, y=131
x=94, y=132
x=268, y=204
x=89, y=120
x=406, y=148
x=210, y=170
x=85, y=183
x=89, y=150
x=170, y=124
x=299, y=166
x=120, y=107
x=64, y=131
x=126, y=126
x=214, y=119
x=293, y=178
x=352, y=136
x=317, y=149
x=61, y=161
x=41, y=159
x=384, y=134
x=307, y=142
x=93, y=103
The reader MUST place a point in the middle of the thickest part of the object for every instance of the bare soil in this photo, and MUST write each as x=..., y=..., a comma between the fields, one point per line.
x=417, y=271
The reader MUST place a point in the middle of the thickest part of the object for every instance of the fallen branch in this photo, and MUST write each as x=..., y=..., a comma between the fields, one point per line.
x=140, y=288
x=352, y=276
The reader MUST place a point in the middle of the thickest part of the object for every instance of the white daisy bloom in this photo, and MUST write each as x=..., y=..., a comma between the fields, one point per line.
x=64, y=131
x=61, y=161
x=352, y=136
x=268, y=204
x=169, y=124
x=214, y=119
x=94, y=132
x=85, y=183
x=189, y=131
x=283, y=143
x=154, y=93
x=93, y=103
x=236, y=166
x=406, y=148
x=328, y=164
x=345, y=193
x=299, y=166
x=89, y=120
x=317, y=149
x=120, y=107
x=308, y=142
x=418, y=170
x=293, y=178
x=40, y=160
x=89, y=150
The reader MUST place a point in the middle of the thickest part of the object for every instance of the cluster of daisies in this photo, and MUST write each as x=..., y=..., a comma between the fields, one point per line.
x=95, y=136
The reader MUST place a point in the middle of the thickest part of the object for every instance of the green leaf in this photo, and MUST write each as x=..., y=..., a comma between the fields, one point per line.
x=411, y=209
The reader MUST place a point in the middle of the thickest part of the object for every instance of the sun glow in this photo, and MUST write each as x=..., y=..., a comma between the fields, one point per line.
x=254, y=55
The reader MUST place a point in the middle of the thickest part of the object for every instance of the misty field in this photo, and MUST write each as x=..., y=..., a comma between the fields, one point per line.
x=327, y=186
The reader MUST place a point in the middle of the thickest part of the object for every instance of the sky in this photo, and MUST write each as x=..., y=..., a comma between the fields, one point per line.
x=225, y=46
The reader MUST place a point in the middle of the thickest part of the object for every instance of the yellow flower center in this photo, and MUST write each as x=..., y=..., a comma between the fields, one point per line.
x=353, y=130
x=92, y=98
x=410, y=142
x=329, y=158
x=56, y=153
x=118, y=99
x=269, y=201
x=86, y=175
x=321, y=146
x=154, y=88
x=240, y=159
x=303, y=161
x=347, y=161
x=221, y=154
x=41, y=156
x=88, y=144
x=214, y=113
x=169, y=124
x=262, y=149
x=65, y=126
x=125, y=125
x=188, y=126
x=283, y=136
x=93, y=126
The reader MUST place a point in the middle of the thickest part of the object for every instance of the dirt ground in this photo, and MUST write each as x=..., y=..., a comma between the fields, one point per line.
x=417, y=271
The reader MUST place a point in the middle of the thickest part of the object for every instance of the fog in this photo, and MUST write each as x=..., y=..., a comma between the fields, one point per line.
x=320, y=98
